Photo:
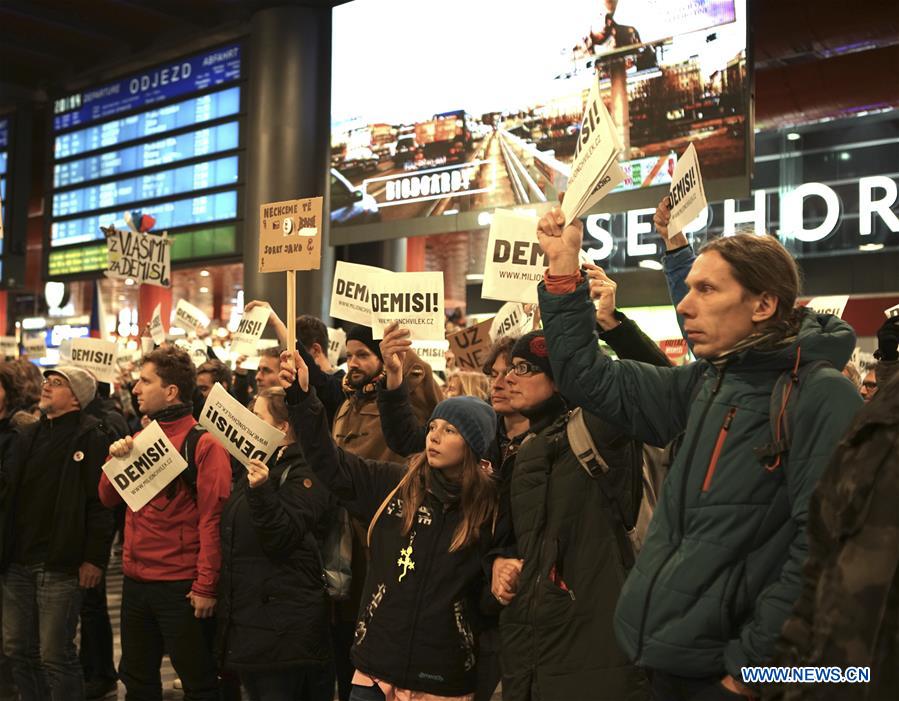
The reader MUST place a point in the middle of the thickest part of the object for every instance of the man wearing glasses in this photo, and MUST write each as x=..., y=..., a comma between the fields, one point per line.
x=56, y=535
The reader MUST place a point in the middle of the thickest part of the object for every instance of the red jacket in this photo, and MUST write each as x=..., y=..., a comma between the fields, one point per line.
x=178, y=538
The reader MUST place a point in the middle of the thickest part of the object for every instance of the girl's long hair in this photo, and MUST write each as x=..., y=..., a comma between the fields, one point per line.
x=478, y=501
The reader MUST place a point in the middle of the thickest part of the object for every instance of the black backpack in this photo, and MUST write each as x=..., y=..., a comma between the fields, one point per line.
x=189, y=452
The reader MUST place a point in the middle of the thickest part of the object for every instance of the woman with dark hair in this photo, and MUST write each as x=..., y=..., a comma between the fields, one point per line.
x=431, y=521
x=31, y=382
x=272, y=606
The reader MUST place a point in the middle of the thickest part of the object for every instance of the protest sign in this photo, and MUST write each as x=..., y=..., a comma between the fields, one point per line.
x=594, y=170
x=9, y=347
x=433, y=353
x=188, y=317
x=336, y=345
x=414, y=300
x=290, y=235
x=515, y=262
x=350, y=298
x=891, y=312
x=250, y=363
x=150, y=467
x=157, y=330
x=833, y=304
x=687, y=192
x=125, y=355
x=99, y=357
x=146, y=345
x=35, y=346
x=198, y=351
x=249, y=331
x=511, y=320
x=143, y=257
x=471, y=346
x=239, y=430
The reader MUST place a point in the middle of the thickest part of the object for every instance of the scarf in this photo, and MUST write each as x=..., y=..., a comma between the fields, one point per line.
x=173, y=412
x=544, y=413
x=369, y=388
x=449, y=493
x=769, y=339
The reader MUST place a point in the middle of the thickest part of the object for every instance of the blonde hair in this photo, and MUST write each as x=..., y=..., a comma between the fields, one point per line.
x=471, y=384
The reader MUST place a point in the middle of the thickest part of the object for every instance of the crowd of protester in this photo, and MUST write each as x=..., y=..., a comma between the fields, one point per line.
x=561, y=525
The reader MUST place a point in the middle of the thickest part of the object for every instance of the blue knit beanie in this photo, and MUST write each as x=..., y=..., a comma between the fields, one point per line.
x=473, y=418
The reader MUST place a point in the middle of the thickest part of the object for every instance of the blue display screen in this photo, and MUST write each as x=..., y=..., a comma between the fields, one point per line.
x=157, y=121
x=156, y=153
x=4, y=133
x=3, y=158
x=165, y=82
x=192, y=210
x=132, y=191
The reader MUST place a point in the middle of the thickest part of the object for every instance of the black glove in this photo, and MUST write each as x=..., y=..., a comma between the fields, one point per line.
x=888, y=340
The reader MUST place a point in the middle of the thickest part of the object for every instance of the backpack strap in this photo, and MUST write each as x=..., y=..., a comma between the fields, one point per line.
x=374, y=519
x=189, y=453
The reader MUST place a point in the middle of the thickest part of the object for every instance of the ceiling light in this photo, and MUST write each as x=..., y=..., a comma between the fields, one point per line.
x=793, y=136
x=204, y=290
x=870, y=247
x=129, y=281
x=650, y=264
x=204, y=273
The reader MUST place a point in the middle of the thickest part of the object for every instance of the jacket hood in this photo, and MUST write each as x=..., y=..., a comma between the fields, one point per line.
x=820, y=337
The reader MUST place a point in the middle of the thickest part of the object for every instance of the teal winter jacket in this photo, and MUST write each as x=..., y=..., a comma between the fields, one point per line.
x=720, y=568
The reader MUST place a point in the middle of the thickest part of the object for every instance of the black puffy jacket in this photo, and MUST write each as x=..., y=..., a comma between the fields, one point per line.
x=272, y=605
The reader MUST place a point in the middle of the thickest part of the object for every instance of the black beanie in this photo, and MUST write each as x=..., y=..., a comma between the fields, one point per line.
x=473, y=418
x=532, y=347
x=363, y=335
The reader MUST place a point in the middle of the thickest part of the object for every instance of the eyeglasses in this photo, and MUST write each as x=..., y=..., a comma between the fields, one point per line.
x=522, y=368
x=55, y=382
x=869, y=385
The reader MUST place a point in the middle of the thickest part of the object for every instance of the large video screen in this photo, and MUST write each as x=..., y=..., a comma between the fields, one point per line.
x=165, y=141
x=486, y=112
x=4, y=166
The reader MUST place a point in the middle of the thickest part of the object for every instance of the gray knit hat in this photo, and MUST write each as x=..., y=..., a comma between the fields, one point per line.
x=82, y=382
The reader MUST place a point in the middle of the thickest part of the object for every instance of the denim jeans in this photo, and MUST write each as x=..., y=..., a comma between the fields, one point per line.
x=40, y=617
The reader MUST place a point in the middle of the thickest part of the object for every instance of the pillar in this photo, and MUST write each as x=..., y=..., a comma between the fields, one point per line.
x=148, y=296
x=288, y=136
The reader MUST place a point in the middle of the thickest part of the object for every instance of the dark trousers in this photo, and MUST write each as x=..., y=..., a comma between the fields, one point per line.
x=489, y=671
x=40, y=617
x=342, y=633
x=96, y=636
x=366, y=693
x=297, y=684
x=157, y=618
x=668, y=687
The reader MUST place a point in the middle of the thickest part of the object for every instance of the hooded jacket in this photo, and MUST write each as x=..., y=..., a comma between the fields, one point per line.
x=720, y=567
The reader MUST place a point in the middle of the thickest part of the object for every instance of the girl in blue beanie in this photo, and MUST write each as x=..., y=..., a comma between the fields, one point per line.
x=431, y=522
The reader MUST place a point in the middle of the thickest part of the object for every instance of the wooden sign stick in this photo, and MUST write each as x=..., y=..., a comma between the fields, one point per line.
x=291, y=320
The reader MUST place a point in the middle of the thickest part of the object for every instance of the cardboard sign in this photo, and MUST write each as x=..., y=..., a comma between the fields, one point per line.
x=198, y=351
x=687, y=193
x=249, y=331
x=290, y=235
x=147, y=258
x=511, y=320
x=146, y=345
x=99, y=357
x=415, y=300
x=150, y=468
x=833, y=304
x=350, y=298
x=515, y=262
x=188, y=317
x=471, y=346
x=9, y=347
x=891, y=312
x=157, y=330
x=595, y=166
x=433, y=353
x=35, y=346
x=239, y=430
x=336, y=345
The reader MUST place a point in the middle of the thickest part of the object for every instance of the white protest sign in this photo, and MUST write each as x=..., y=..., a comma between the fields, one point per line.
x=249, y=331
x=833, y=304
x=9, y=347
x=99, y=357
x=188, y=317
x=350, y=293
x=198, y=351
x=146, y=345
x=126, y=355
x=35, y=346
x=157, y=330
x=891, y=312
x=432, y=352
x=414, y=300
x=250, y=363
x=515, y=262
x=150, y=467
x=145, y=258
x=595, y=153
x=239, y=430
x=687, y=193
x=336, y=345
x=511, y=320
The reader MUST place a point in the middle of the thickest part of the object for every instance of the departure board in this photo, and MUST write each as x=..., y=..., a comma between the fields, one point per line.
x=165, y=141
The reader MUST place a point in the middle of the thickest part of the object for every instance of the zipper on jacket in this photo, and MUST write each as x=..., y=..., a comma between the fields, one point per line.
x=683, y=496
x=719, y=444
